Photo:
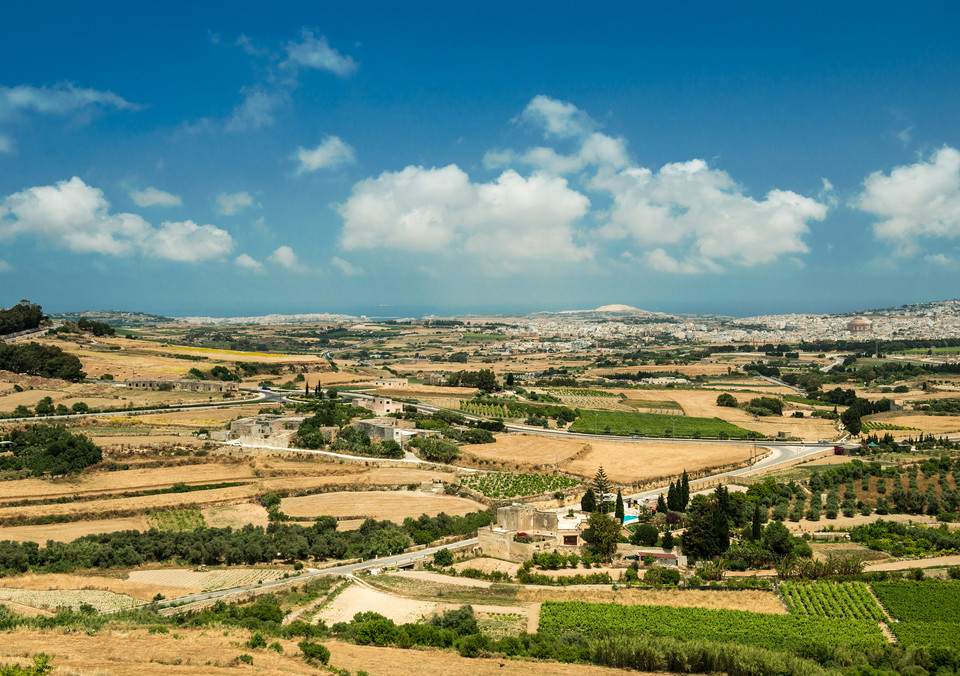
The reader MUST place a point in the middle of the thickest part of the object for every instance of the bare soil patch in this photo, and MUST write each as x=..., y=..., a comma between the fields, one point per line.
x=935, y=562
x=807, y=526
x=488, y=565
x=358, y=598
x=752, y=600
x=392, y=505
x=236, y=516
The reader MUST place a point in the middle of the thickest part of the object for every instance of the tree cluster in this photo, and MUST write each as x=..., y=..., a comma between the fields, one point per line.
x=47, y=449
x=248, y=545
x=21, y=317
x=40, y=360
x=484, y=380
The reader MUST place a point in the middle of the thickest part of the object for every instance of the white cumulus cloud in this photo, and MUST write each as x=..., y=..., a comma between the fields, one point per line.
x=331, y=152
x=938, y=259
x=285, y=257
x=316, y=53
x=152, y=197
x=346, y=267
x=229, y=204
x=705, y=216
x=915, y=202
x=59, y=99
x=557, y=118
x=433, y=210
x=248, y=262
x=188, y=242
x=256, y=110
x=77, y=217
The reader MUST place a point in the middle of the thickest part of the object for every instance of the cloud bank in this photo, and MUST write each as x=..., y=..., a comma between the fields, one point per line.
x=77, y=217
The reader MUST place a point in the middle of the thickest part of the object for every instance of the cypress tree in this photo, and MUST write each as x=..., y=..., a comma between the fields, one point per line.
x=661, y=505
x=667, y=540
x=756, y=530
x=684, y=491
x=673, y=499
x=618, y=511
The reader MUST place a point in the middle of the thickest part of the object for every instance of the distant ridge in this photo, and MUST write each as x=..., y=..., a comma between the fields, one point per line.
x=618, y=309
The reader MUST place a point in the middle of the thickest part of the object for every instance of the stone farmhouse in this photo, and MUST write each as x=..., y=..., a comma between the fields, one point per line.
x=183, y=385
x=548, y=531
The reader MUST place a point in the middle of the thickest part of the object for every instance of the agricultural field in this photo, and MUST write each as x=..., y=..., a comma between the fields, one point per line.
x=102, y=601
x=176, y=520
x=874, y=426
x=196, y=651
x=927, y=601
x=68, y=532
x=579, y=392
x=623, y=461
x=658, y=425
x=851, y=600
x=928, y=612
x=392, y=505
x=775, y=632
x=208, y=580
x=499, y=485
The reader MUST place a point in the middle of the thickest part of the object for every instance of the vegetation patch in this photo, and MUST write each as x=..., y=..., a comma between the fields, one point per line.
x=176, y=520
x=851, y=600
x=776, y=632
x=509, y=485
x=658, y=425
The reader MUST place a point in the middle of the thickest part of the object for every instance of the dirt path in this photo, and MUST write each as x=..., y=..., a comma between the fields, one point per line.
x=937, y=562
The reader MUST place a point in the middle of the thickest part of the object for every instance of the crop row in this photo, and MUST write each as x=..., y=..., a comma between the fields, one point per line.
x=776, y=632
x=934, y=634
x=851, y=600
x=580, y=392
x=870, y=425
x=658, y=425
x=928, y=612
x=928, y=601
x=510, y=485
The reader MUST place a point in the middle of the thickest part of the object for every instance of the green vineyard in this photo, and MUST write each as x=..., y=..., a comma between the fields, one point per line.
x=851, y=600
x=658, y=425
x=486, y=410
x=500, y=485
x=776, y=632
x=579, y=392
x=928, y=612
x=874, y=426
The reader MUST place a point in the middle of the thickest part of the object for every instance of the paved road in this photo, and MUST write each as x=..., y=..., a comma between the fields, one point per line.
x=397, y=560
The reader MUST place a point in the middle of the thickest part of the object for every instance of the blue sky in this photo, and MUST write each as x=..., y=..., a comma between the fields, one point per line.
x=217, y=159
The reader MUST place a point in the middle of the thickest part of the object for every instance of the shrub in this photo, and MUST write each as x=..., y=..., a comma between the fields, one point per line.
x=444, y=557
x=314, y=652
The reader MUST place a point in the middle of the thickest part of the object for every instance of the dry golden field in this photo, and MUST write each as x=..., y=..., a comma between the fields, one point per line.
x=236, y=516
x=640, y=462
x=144, y=590
x=125, y=481
x=67, y=532
x=102, y=501
x=623, y=461
x=392, y=505
x=191, y=651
